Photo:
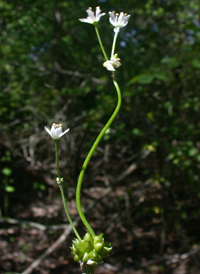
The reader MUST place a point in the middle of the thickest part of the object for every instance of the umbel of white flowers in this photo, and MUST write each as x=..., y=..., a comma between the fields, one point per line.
x=118, y=21
x=92, y=19
x=56, y=131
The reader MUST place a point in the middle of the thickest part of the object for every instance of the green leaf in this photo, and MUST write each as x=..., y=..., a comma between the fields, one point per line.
x=133, y=80
x=142, y=79
x=7, y=171
x=172, y=62
x=137, y=132
x=192, y=152
x=145, y=78
x=195, y=63
x=161, y=76
x=9, y=189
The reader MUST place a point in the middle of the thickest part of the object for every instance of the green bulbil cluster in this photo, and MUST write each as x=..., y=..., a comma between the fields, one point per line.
x=90, y=250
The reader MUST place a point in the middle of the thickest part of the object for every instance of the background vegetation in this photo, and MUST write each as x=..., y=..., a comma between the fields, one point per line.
x=51, y=71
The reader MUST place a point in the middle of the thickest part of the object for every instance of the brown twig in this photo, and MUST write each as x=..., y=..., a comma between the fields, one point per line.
x=49, y=250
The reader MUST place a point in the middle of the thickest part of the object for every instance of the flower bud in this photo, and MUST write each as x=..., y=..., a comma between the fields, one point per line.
x=90, y=250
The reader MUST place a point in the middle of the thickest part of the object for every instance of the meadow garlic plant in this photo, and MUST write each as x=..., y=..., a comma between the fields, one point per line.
x=91, y=249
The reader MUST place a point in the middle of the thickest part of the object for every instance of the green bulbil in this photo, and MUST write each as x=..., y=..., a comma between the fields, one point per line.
x=90, y=250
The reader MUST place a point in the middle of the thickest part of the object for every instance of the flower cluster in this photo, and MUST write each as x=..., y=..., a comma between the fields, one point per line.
x=112, y=63
x=90, y=250
x=118, y=21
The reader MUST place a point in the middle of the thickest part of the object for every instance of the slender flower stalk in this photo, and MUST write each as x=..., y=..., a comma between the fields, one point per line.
x=114, y=43
x=60, y=181
x=101, y=45
x=118, y=21
x=57, y=161
x=94, y=19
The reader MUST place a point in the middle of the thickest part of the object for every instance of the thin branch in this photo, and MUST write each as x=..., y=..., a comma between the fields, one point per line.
x=49, y=250
x=33, y=224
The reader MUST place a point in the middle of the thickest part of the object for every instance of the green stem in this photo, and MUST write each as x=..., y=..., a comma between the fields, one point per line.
x=78, y=190
x=62, y=192
x=90, y=269
x=57, y=159
x=101, y=45
x=67, y=213
x=114, y=43
x=6, y=198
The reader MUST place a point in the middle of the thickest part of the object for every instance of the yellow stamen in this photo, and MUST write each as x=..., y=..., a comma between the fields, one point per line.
x=57, y=125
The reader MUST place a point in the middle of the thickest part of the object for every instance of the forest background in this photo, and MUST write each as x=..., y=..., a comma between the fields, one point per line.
x=142, y=185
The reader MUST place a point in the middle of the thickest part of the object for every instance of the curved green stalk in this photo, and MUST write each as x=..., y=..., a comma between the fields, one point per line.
x=78, y=190
x=62, y=192
x=101, y=45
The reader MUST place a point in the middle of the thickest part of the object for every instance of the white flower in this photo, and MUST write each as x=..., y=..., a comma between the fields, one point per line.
x=56, y=131
x=92, y=19
x=59, y=181
x=112, y=63
x=118, y=21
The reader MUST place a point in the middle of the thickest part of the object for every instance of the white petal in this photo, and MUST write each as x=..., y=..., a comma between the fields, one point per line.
x=91, y=15
x=112, y=18
x=102, y=14
x=64, y=132
x=118, y=64
x=55, y=132
x=109, y=66
x=48, y=131
x=85, y=20
x=99, y=14
x=120, y=18
x=98, y=11
x=125, y=21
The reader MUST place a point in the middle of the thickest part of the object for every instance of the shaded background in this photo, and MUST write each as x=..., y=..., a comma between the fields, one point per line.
x=146, y=168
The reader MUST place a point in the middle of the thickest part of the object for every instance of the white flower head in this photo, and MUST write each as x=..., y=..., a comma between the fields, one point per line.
x=59, y=181
x=118, y=20
x=112, y=63
x=92, y=19
x=56, y=131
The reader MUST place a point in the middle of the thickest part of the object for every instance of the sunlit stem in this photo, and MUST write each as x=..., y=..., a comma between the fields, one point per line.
x=62, y=192
x=114, y=42
x=101, y=45
x=80, y=179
